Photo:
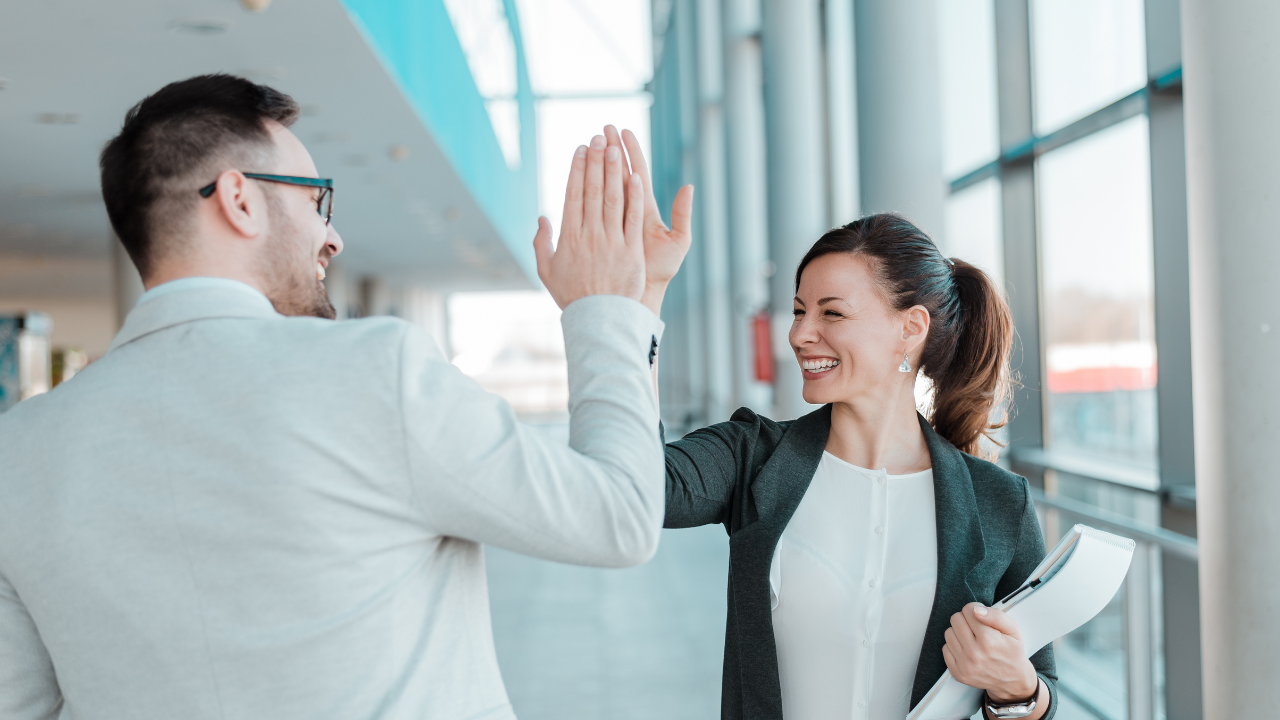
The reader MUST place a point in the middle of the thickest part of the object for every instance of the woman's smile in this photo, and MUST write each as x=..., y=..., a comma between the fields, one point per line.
x=814, y=368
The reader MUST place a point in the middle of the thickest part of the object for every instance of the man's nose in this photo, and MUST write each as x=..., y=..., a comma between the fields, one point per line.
x=333, y=241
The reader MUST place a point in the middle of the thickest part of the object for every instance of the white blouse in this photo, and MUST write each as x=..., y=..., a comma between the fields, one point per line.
x=852, y=583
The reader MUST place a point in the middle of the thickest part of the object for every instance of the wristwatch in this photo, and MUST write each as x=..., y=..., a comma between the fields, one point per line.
x=1008, y=711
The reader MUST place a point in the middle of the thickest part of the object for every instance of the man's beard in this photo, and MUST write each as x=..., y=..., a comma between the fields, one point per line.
x=294, y=288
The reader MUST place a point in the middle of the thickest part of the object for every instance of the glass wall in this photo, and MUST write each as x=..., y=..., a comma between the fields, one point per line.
x=1098, y=295
x=1085, y=55
x=1068, y=184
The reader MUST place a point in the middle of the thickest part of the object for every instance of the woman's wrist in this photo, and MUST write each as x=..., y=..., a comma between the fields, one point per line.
x=1024, y=688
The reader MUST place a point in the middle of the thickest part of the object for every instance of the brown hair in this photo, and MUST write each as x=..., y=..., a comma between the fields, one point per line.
x=966, y=354
x=175, y=142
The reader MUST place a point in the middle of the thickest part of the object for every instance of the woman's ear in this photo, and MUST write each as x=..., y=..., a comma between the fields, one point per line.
x=915, y=326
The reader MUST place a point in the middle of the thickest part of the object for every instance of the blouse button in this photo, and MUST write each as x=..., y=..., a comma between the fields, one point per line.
x=866, y=643
x=872, y=583
x=862, y=703
x=879, y=529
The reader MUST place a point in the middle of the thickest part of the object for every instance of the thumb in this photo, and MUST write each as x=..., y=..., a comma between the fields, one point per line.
x=542, y=250
x=682, y=214
x=995, y=619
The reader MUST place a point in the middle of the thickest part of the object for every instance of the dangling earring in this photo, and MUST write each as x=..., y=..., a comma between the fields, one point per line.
x=905, y=367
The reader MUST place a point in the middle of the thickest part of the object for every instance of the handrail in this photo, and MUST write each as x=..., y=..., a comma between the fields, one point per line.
x=1176, y=543
x=1130, y=477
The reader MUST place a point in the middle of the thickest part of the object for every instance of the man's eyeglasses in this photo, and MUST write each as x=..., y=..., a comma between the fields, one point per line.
x=324, y=203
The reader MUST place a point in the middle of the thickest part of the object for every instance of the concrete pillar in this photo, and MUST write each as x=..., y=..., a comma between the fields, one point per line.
x=713, y=207
x=797, y=168
x=900, y=110
x=126, y=283
x=1230, y=60
x=842, y=114
x=748, y=194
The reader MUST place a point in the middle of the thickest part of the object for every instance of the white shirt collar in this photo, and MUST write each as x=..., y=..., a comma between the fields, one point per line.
x=198, y=283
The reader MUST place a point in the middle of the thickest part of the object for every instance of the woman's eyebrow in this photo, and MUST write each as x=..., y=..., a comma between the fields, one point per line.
x=826, y=300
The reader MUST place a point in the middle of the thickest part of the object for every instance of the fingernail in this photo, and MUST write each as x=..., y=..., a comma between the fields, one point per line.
x=581, y=151
x=611, y=153
x=980, y=611
x=597, y=142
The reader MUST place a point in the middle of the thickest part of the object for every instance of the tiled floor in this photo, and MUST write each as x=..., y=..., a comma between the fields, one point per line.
x=589, y=644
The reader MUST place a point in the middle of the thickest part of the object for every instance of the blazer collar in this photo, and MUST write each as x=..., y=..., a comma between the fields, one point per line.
x=960, y=542
x=186, y=305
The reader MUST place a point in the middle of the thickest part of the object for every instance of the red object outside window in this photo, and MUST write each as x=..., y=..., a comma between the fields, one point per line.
x=763, y=347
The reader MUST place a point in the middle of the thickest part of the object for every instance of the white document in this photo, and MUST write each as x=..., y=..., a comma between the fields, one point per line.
x=1075, y=581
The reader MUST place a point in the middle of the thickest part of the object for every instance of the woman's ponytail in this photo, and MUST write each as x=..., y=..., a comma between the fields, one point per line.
x=970, y=328
x=971, y=391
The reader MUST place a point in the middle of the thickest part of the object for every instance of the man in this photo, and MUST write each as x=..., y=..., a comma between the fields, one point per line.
x=240, y=514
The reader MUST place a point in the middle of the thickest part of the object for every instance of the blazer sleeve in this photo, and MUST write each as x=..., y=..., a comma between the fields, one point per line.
x=1030, y=551
x=479, y=474
x=28, y=687
x=705, y=468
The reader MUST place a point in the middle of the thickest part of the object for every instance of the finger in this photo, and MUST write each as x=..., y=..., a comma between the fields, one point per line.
x=682, y=215
x=614, y=192
x=638, y=165
x=633, y=225
x=593, y=187
x=572, y=217
x=542, y=249
x=949, y=658
x=961, y=631
x=995, y=619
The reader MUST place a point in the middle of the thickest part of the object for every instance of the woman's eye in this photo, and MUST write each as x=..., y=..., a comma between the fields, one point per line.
x=797, y=312
x=833, y=313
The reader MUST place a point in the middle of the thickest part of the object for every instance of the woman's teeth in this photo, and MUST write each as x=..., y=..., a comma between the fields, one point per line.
x=319, y=271
x=818, y=365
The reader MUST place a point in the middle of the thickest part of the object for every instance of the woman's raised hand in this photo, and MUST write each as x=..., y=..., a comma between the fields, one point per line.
x=601, y=250
x=664, y=248
x=984, y=650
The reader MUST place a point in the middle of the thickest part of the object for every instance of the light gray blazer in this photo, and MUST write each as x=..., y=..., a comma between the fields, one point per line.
x=235, y=514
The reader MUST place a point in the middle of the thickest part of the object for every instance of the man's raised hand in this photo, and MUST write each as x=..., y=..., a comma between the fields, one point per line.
x=602, y=239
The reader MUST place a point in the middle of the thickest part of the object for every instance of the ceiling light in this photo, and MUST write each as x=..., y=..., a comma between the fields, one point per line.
x=256, y=6
x=200, y=26
x=4, y=83
x=399, y=152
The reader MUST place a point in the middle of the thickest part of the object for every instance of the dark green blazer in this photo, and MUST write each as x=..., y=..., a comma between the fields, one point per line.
x=749, y=475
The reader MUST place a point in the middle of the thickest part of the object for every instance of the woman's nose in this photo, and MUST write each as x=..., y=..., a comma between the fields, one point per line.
x=802, y=332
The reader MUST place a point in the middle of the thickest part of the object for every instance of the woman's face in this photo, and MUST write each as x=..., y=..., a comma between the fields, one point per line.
x=848, y=340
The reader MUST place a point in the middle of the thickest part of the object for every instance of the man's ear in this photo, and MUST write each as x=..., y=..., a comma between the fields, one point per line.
x=915, y=326
x=241, y=204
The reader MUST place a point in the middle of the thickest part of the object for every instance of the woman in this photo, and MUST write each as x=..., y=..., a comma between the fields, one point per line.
x=867, y=541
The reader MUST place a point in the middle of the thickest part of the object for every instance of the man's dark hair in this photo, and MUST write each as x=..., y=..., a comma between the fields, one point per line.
x=177, y=141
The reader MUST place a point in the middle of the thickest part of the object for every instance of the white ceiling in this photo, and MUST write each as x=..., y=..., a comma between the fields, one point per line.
x=72, y=68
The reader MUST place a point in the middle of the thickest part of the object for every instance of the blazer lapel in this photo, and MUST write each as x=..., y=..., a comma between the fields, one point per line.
x=960, y=550
x=774, y=494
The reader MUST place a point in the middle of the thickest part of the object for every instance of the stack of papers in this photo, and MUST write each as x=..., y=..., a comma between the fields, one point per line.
x=1075, y=582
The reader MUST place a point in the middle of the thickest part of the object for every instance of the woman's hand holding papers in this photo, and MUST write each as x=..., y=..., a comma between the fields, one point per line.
x=601, y=248
x=984, y=650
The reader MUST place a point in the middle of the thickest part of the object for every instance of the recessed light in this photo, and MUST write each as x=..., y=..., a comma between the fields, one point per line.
x=256, y=6
x=399, y=152
x=32, y=191
x=200, y=26
x=4, y=83
x=309, y=110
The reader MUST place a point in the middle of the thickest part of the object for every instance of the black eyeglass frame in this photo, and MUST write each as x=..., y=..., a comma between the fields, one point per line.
x=325, y=185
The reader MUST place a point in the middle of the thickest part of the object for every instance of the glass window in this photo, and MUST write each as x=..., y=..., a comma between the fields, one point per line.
x=973, y=227
x=967, y=51
x=1086, y=54
x=1095, y=216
